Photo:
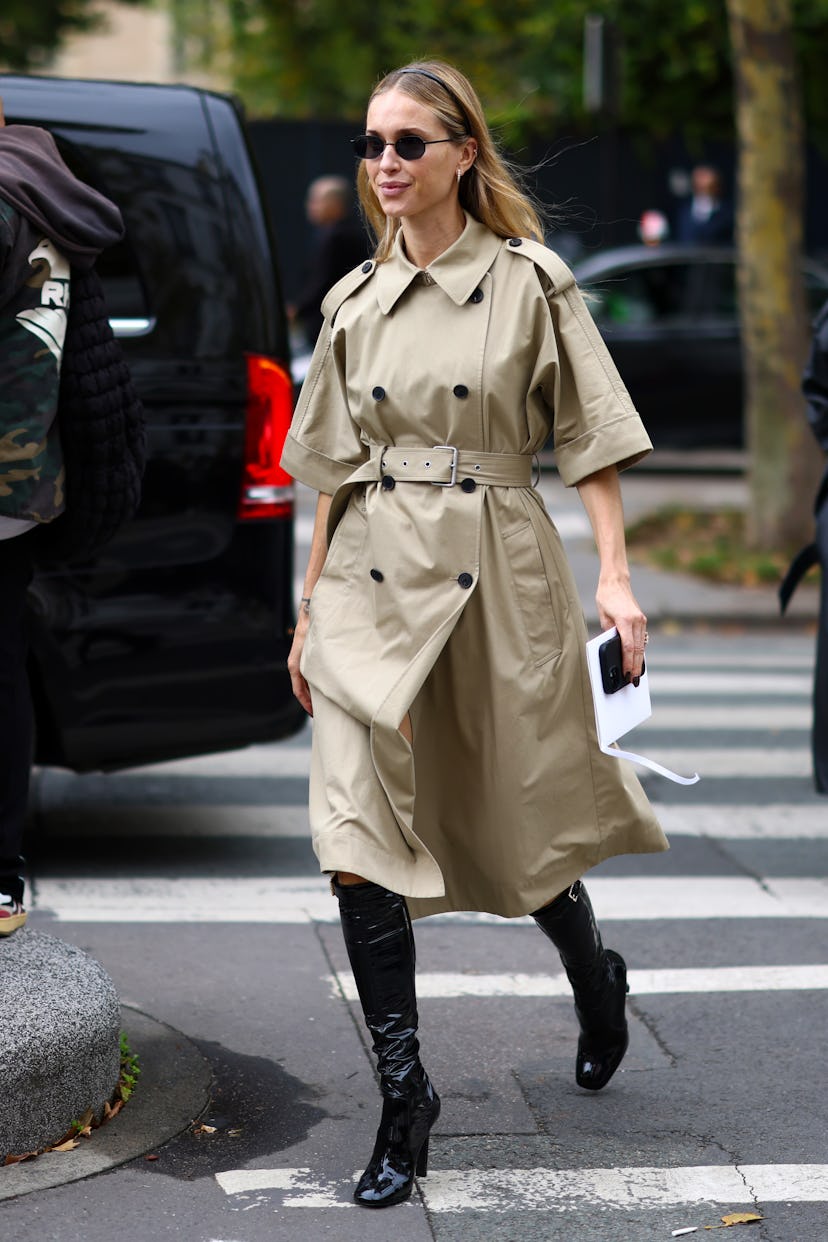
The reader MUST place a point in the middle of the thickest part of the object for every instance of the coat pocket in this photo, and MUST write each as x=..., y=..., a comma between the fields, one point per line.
x=532, y=594
x=347, y=543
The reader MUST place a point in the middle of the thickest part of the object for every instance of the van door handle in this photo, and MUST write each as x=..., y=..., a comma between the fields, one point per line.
x=132, y=327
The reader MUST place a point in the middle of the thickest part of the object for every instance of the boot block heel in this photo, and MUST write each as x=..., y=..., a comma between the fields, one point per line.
x=422, y=1160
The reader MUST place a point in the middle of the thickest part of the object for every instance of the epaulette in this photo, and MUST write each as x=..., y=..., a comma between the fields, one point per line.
x=348, y=285
x=544, y=258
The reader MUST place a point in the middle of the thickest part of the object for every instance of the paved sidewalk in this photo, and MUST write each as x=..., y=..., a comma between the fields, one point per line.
x=674, y=598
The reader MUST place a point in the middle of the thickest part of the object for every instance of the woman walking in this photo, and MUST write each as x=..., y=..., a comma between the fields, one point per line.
x=440, y=641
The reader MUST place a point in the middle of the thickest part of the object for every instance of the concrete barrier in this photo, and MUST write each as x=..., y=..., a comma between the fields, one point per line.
x=59, y=1039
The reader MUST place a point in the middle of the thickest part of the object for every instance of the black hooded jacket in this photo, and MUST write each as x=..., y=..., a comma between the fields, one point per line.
x=50, y=224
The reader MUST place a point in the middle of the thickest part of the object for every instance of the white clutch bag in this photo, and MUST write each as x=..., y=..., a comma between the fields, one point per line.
x=619, y=707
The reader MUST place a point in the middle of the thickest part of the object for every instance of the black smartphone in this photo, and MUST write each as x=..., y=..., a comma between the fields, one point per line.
x=610, y=659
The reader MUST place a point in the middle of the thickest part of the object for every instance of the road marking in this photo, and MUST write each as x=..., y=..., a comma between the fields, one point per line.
x=268, y=899
x=309, y=1193
x=148, y=820
x=123, y=818
x=553, y=1190
x=768, y=663
x=744, y=717
x=444, y=985
x=743, y=821
x=759, y=761
x=756, y=684
x=561, y=1190
x=274, y=759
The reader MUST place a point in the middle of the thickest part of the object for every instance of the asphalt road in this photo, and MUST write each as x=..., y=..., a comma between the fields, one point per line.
x=194, y=885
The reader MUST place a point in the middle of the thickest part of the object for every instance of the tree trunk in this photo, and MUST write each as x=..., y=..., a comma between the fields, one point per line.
x=783, y=466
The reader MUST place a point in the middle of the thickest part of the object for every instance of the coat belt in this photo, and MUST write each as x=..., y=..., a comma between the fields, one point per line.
x=444, y=465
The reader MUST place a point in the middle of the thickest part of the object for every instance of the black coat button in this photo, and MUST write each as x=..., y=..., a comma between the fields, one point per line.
x=378, y=393
x=377, y=575
x=515, y=241
x=388, y=483
x=468, y=485
x=477, y=296
x=465, y=581
x=461, y=391
x=366, y=267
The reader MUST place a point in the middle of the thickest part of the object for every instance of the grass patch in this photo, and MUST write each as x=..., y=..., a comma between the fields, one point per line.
x=707, y=543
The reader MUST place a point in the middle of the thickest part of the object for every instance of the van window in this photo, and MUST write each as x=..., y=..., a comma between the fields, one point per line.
x=116, y=266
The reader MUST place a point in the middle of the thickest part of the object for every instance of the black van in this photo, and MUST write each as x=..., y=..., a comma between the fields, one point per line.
x=173, y=641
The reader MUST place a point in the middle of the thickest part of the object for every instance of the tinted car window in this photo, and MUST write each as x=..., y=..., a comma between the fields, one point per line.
x=665, y=293
x=116, y=266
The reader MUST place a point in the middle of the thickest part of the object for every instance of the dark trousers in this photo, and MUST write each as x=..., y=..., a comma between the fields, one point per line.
x=15, y=710
x=820, y=729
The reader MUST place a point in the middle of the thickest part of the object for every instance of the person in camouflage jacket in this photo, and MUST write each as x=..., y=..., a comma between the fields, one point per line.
x=50, y=224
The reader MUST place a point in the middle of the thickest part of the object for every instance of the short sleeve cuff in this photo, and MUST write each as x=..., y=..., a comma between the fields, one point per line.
x=620, y=443
x=314, y=469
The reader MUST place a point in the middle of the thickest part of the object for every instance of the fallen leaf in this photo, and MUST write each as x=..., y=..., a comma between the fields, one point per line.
x=69, y=1145
x=112, y=1110
x=736, y=1218
x=151, y=1157
x=202, y=1129
x=26, y=1155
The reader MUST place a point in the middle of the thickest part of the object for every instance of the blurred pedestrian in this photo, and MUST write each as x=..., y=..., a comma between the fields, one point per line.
x=815, y=388
x=653, y=227
x=340, y=243
x=440, y=644
x=52, y=228
x=706, y=218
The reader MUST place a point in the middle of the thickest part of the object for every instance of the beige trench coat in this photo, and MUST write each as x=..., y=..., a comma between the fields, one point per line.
x=457, y=603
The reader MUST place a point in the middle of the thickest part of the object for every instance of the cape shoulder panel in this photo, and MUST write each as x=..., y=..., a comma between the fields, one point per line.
x=346, y=287
x=549, y=263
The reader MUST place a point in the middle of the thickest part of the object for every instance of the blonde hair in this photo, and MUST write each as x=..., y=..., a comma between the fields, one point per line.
x=490, y=190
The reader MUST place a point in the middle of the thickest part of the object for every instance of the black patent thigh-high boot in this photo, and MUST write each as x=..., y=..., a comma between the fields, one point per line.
x=599, y=982
x=380, y=946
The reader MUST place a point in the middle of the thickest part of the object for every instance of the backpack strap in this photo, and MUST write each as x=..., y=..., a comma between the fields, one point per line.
x=346, y=287
x=549, y=263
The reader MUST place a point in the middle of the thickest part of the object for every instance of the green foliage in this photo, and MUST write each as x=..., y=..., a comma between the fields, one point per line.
x=130, y=1070
x=31, y=31
x=710, y=544
x=320, y=58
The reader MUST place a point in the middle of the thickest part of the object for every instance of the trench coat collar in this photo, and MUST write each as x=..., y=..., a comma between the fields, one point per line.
x=458, y=270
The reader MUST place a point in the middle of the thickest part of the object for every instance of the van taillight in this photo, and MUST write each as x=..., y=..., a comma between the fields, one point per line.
x=267, y=489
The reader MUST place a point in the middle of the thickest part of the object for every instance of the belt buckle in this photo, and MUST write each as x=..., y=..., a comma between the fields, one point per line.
x=453, y=478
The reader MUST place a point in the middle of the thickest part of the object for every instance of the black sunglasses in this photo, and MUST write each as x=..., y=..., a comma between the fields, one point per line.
x=409, y=147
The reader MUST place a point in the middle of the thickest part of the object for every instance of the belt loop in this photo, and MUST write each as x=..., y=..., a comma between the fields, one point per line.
x=536, y=466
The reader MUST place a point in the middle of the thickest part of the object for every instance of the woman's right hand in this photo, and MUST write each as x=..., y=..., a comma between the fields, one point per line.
x=300, y=687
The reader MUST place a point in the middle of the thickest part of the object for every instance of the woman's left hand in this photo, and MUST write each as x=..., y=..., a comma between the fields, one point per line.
x=617, y=606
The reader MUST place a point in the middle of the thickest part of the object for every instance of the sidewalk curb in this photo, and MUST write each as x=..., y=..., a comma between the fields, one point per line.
x=173, y=1089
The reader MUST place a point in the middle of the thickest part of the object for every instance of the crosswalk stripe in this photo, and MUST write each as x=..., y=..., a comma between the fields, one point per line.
x=769, y=664
x=756, y=683
x=268, y=899
x=444, y=985
x=731, y=821
x=744, y=717
x=559, y=1190
x=724, y=821
x=743, y=821
x=754, y=761
x=192, y=820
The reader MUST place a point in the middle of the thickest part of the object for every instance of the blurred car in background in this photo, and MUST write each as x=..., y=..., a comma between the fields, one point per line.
x=173, y=640
x=669, y=315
